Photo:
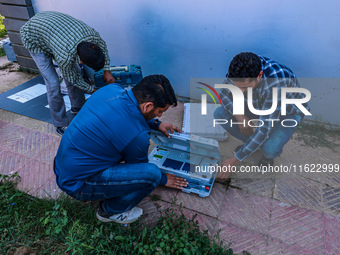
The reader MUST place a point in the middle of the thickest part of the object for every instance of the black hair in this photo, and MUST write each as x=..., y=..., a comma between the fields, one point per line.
x=156, y=89
x=245, y=65
x=91, y=55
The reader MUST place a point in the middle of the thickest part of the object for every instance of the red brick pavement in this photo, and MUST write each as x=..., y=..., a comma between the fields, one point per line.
x=258, y=224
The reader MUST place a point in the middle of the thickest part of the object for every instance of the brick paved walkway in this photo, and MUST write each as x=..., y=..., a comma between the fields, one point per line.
x=279, y=214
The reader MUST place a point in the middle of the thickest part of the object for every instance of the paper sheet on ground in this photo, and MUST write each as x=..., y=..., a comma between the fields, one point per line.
x=29, y=94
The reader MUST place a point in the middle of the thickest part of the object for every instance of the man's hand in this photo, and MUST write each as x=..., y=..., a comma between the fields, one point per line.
x=164, y=127
x=108, y=78
x=175, y=182
x=245, y=129
x=94, y=90
x=227, y=164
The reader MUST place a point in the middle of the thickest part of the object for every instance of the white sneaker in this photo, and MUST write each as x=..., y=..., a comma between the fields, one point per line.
x=122, y=218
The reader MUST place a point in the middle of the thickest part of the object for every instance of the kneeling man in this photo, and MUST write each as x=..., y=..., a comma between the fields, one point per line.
x=103, y=154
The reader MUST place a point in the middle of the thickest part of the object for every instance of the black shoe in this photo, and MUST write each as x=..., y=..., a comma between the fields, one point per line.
x=74, y=110
x=61, y=130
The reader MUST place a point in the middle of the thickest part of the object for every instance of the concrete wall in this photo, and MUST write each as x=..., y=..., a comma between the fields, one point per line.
x=188, y=39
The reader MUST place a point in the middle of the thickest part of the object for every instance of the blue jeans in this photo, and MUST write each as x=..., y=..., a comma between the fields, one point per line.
x=54, y=97
x=278, y=137
x=121, y=186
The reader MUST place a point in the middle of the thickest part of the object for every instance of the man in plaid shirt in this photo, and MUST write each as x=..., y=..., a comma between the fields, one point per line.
x=68, y=41
x=248, y=70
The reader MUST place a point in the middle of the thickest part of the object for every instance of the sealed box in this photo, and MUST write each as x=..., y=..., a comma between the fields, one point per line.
x=126, y=76
x=191, y=157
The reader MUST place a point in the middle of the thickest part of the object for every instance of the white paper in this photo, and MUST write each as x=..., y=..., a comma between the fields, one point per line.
x=29, y=93
x=180, y=147
x=68, y=102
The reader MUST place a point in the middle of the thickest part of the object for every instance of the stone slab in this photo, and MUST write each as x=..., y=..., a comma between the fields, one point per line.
x=10, y=162
x=275, y=247
x=16, y=2
x=49, y=190
x=20, y=50
x=246, y=210
x=210, y=206
x=332, y=179
x=297, y=226
x=331, y=200
x=15, y=37
x=34, y=174
x=16, y=12
x=165, y=194
x=262, y=187
x=241, y=239
x=332, y=234
x=299, y=191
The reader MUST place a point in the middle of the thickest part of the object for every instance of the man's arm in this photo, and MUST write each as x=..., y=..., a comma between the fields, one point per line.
x=261, y=134
x=165, y=127
x=137, y=152
x=226, y=163
x=108, y=78
x=73, y=76
x=154, y=124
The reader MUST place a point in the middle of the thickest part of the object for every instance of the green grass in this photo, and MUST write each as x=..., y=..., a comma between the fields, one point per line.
x=2, y=52
x=3, y=31
x=65, y=226
x=314, y=135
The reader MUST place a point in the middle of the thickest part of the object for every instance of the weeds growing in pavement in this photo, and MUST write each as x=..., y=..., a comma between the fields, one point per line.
x=2, y=52
x=315, y=135
x=66, y=226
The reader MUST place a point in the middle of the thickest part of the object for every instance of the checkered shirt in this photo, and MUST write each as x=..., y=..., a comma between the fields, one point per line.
x=59, y=34
x=274, y=75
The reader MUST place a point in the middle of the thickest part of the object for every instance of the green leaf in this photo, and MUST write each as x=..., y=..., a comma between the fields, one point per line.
x=119, y=238
x=46, y=221
x=186, y=251
x=229, y=252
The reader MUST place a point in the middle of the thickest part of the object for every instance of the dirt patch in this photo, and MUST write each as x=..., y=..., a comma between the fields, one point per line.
x=10, y=76
x=22, y=251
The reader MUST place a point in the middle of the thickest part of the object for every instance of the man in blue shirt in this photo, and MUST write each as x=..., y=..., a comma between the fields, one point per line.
x=248, y=70
x=103, y=154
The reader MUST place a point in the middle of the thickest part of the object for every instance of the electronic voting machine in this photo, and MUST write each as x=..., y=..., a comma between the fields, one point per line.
x=188, y=156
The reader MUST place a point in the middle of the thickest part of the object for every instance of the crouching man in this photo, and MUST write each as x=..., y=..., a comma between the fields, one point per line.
x=261, y=76
x=103, y=154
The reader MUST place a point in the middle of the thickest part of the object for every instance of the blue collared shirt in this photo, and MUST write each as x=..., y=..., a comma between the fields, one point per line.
x=109, y=128
x=274, y=75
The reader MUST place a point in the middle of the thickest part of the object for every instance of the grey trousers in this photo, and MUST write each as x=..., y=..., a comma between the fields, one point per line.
x=54, y=97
